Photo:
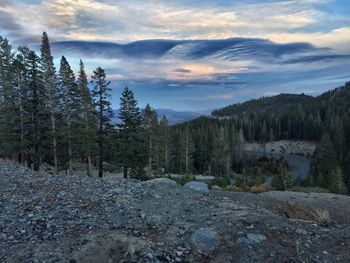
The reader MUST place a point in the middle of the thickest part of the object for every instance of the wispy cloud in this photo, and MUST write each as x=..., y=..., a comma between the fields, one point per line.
x=224, y=50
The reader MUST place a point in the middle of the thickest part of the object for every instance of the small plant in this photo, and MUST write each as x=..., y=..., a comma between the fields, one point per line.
x=260, y=188
x=139, y=173
x=221, y=181
x=322, y=216
x=187, y=178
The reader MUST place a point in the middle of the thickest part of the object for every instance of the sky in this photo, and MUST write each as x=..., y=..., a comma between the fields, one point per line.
x=193, y=55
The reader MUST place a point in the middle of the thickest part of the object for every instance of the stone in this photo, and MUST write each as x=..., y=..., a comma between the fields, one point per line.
x=149, y=255
x=205, y=238
x=301, y=231
x=160, y=183
x=256, y=238
x=216, y=188
x=198, y=186
x=244, y=241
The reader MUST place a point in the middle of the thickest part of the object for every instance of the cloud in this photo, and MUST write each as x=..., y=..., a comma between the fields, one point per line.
x=159, y=19
x=182, y=70
x=233, y=49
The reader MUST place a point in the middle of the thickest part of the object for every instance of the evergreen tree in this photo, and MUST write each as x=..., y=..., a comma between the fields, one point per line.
x=7, y=100
x=132, y=143
x=36, y=106
x=70, y=109
x=164, y=141
x=101, y=95
x=150, y=123
x=88, y=132
x=188, y=150
x=324, y=162
x=282, y=181
x=50, y=84
x=337, y=184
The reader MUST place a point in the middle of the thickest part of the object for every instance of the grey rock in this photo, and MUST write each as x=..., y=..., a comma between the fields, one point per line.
x=256, y=238
x=216, y=188
x=205, y=238
x=301, y=231
x=198, y=186
x=160, y=183
x=149, y=255
x=244, y=241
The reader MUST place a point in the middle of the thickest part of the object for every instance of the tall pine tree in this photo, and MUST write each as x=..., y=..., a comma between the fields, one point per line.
x=131, y=141
x=50, y=84
x=104, y=112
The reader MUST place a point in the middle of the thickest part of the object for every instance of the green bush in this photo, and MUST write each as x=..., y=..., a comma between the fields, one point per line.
x=112, y=168
x=221, y=181
x=139, y=173
x=187, y=178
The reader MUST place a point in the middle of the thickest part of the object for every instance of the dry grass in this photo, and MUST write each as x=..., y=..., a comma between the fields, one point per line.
x=260, y=188
x=322, y=216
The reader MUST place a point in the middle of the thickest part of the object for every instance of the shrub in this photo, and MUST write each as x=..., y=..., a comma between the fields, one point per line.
x=112, y=168
x=139, y=173
x=221, y=181
x=187, y=178
x=260, y=188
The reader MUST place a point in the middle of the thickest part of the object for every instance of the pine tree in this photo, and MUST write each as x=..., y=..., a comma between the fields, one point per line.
x=324, y=162
x=150, y=123
x=131, y=141
x=337, y=184
x=101, y=95
x=282, y=181
x=7, y=99
x=164, y=141
x=36, y=106
x=70, y=109
x=188, y=149
x=50, y=84
x=88, y=138
x=23, y=123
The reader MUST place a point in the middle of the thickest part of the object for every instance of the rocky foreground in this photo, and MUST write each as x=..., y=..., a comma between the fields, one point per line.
x=81, y=219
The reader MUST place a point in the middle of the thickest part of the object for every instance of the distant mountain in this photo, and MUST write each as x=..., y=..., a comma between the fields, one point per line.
x=339, y=97
x=281, y=101
x=174, y=117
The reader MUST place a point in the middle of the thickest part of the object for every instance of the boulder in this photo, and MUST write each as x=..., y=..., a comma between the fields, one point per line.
x=205, y=238
x=198, y=186
x=256, y=238
x=160, y=183
x=216, y=188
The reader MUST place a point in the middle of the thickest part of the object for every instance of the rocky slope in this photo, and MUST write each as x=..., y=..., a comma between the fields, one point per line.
x=81, y=219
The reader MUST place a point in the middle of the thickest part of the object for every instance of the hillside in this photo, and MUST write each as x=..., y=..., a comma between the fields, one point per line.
x=85, y=219
x=273, y=103
x=285, y=102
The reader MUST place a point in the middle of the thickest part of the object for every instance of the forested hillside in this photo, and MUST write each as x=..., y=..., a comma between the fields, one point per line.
x=50, y=116
x=216, y=143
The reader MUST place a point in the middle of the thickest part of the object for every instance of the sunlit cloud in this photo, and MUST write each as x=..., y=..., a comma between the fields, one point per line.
x=224, y=50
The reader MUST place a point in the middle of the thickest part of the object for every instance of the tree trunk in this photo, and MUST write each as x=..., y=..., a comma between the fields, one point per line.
x=70, y=152
x=186, y=153
x=88, y=166
x=150, y=152
x=125, y=172
x=54, y=142
x=228, y=165
x=100, y=161
x=22, y=136
x=100, y=137
x=36, y=165
x=166, y=155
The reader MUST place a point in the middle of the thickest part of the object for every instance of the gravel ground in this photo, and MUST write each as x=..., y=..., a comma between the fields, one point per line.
x=82, y=219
